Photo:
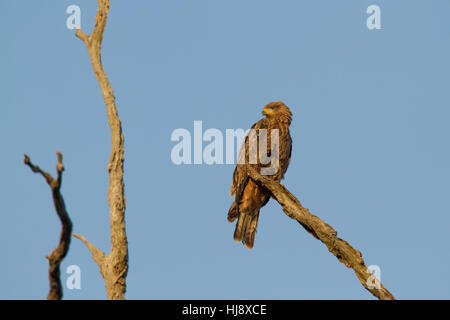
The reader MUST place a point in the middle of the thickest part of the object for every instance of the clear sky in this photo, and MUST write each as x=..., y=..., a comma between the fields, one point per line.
x=370, y=144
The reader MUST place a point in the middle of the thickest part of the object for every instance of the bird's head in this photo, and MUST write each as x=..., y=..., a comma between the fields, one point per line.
x=278, y=110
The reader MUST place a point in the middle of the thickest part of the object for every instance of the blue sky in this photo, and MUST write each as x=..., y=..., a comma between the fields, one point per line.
x=370, y=151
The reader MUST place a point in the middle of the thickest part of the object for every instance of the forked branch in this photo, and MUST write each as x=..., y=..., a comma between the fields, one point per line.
x=57, y=255
x=114, y=266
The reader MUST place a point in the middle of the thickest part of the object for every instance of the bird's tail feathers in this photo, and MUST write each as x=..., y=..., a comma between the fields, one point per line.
x=246, y=228
x=233, y=213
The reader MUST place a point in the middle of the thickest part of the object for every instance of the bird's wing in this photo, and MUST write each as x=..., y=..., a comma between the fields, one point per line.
x=285, y=150
x=248, y=147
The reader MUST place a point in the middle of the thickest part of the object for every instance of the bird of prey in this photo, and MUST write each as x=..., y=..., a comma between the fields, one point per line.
x=249, y=197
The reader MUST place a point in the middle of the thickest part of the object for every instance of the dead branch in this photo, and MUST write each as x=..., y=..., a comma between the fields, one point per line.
x=340, y=248
x=114, y=266
x=57, y=255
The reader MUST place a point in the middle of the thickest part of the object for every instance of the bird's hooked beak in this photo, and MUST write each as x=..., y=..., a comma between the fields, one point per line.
x=267, y=110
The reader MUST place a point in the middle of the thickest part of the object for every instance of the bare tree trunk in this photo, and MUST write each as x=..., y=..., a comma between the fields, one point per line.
x=114, y=266
x=57, y=255
x=322, y=231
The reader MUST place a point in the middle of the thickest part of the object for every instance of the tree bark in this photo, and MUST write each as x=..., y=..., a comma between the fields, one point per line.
x=345, y=253
x=57, y=255
x=114, y=266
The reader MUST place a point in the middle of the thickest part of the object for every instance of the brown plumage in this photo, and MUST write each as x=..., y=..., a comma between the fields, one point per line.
x=249, y=197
